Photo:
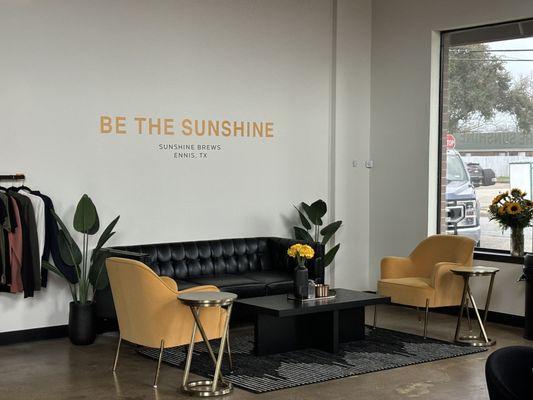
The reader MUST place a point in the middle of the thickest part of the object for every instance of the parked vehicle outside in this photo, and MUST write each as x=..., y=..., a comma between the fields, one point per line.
x=476, y=173
x=462, y=207
x=489, y=177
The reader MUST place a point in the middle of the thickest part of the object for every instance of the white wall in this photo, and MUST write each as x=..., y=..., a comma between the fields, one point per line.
x=401, y=121
x=65, y=63
x=508, y=294
x=352, y=141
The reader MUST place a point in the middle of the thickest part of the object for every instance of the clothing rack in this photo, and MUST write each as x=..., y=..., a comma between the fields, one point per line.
x=15, y=177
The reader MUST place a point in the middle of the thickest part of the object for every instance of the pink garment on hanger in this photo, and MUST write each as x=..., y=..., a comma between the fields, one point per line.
x=15, y=252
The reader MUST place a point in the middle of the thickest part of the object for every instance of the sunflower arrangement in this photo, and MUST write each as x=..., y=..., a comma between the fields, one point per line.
x=512, y=210
x=301, y=252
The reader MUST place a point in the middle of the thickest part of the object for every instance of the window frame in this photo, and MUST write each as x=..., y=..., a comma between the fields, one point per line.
x=504, y=30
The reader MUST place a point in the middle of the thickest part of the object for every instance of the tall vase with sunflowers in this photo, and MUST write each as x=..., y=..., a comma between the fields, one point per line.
x=301, y=252
x=513, y=210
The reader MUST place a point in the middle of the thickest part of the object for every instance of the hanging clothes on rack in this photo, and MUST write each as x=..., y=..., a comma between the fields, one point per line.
x=29, y=235
x=51, y=246
x=38, y=212
x=5, y=222
x=30, y=270
x=15, y=249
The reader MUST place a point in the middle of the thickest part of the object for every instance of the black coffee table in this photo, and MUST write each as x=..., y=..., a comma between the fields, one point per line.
x=284, y=325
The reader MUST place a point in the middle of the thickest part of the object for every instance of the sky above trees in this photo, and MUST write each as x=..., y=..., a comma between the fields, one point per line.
x=491, y=90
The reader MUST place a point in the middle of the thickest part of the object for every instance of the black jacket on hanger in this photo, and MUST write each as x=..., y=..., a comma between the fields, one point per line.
x=51, y=244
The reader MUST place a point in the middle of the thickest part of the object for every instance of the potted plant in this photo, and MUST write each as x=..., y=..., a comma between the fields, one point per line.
x=513, y=210
x=90, y=270
x=311, y=218
x=301, y=252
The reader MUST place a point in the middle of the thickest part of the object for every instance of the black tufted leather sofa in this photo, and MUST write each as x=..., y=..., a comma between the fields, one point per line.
x=248, y=267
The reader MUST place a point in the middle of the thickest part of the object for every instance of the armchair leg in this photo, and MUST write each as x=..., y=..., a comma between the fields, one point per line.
x=375, y=316
x=426, y=319
x=161, y=348
x=116, y=354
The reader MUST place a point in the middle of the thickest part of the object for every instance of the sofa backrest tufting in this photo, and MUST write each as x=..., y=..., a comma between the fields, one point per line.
x=185, y=260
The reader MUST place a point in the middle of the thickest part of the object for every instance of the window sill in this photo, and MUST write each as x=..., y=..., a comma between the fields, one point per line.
x=497, y=256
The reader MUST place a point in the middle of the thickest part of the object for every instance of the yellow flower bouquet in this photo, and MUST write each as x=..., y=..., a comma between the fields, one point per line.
x=301, y=252
x=512, y=210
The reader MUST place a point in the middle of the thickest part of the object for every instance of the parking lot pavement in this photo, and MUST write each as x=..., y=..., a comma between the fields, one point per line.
x=485, y=194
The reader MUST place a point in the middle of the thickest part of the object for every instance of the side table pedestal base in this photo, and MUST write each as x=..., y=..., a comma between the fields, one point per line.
x=204, y=388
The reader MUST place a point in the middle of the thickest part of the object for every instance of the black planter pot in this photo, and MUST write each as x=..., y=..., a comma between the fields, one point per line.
x=301, y=282
x=82, y=323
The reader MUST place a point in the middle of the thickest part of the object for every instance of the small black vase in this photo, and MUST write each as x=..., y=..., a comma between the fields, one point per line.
x=301, y=282
x=81, y=323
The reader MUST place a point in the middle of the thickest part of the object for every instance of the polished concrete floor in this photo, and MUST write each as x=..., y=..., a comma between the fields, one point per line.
x=55, y=369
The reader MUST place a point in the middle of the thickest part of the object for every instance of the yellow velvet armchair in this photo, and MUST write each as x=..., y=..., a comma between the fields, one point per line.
x=149, y=313
x=424, y=278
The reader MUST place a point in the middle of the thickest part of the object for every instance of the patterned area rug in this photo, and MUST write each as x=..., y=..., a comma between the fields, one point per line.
x=382, y=349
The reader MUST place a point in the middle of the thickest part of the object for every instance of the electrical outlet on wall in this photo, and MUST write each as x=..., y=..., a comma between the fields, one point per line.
x=369, y=163
x=355, y=163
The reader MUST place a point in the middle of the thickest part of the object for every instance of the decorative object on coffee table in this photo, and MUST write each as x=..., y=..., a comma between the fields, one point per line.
x=90, y=271
x=513, y=210
x=301, y=252
x=311, y=219
x=322, y=290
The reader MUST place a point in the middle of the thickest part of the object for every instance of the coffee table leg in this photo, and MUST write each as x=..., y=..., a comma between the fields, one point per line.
x=268, y=331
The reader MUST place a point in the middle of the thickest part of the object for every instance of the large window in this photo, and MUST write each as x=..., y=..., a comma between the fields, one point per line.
x=486, y=127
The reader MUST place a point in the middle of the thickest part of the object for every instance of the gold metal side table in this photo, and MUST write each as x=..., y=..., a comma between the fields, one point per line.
x=218, y=386
x=466, y=273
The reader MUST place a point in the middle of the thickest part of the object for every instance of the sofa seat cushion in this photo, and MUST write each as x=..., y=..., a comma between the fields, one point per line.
x=268, y=277
x=280, y=287
x=277, y=282
x=238, y=284
x=408, y=291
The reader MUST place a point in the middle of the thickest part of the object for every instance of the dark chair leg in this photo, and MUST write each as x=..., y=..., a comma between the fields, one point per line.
x=161, y=348
x=426, y=319
x=116, y=354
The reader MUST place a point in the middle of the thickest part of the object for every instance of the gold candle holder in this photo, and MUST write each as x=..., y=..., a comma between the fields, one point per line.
x=322, y=290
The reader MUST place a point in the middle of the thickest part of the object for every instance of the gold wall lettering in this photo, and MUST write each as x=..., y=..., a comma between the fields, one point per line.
x=187, y=127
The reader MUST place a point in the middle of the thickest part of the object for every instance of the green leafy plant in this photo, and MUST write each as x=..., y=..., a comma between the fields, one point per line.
x=90, y=271
x=311, y=219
